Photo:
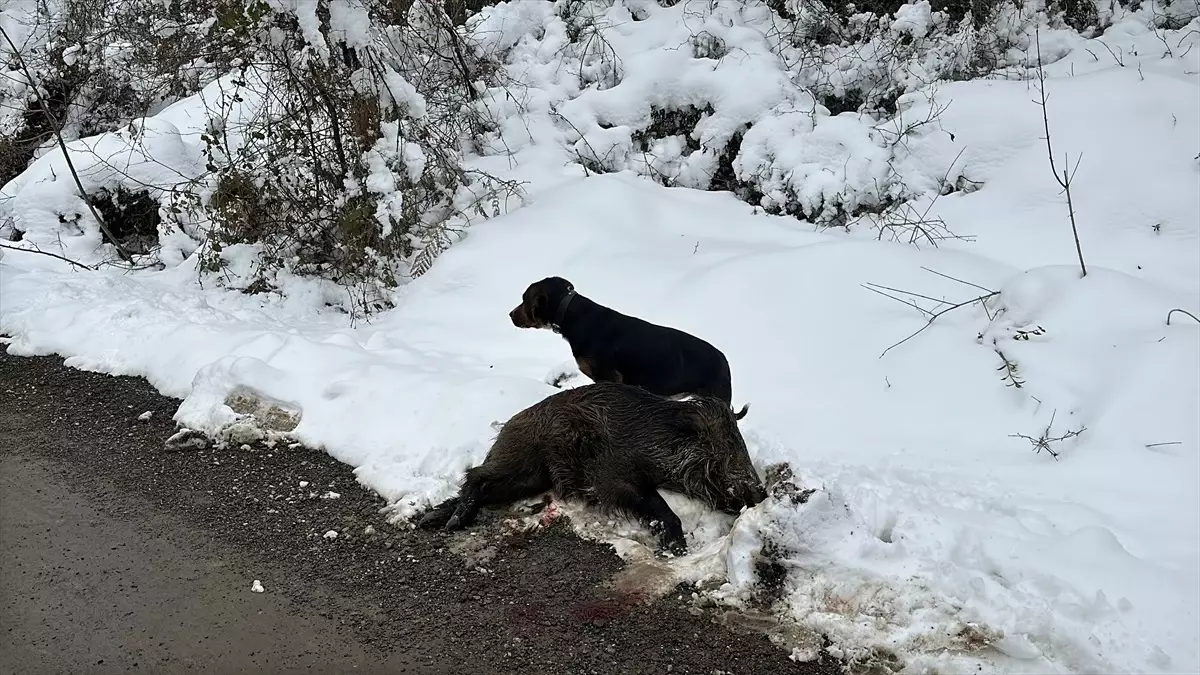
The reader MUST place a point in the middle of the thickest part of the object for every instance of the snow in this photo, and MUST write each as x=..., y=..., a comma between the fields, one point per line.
x=934, y=535
x=350, y=22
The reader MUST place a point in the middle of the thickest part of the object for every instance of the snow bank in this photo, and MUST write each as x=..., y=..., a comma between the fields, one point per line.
x=161, y=155
x=1016, y=559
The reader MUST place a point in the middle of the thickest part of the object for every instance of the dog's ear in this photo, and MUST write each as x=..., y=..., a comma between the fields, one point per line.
x=537, y=305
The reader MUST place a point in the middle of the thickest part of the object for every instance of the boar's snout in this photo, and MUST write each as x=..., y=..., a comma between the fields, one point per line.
x=755, y=493
x=743, y=495
x=745, y=487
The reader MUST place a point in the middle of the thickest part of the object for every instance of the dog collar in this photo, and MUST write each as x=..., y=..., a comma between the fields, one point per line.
x=561, y=312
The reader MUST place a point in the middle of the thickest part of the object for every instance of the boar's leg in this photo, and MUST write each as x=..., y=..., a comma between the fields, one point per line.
x=486, y=485
x=438, y=515
x=644, y=502
x=671, y=533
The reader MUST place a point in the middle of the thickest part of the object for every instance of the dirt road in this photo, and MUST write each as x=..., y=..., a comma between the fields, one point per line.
x=116, y=556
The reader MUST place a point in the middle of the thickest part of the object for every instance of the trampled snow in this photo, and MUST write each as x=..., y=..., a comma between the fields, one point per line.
x=933, y=530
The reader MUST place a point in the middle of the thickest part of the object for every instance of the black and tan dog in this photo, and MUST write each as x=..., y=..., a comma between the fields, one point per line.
x=611, y=347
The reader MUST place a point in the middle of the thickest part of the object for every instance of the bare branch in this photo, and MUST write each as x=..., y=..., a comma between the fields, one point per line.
x=1064, y=181
x=873, y=287
x=938, y=314
x=1045, y=441
x=947, y=276
x=47, y=253
x=909, y=303
x=1181, y=311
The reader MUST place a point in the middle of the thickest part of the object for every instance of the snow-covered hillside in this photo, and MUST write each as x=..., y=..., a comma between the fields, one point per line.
x=936, y=537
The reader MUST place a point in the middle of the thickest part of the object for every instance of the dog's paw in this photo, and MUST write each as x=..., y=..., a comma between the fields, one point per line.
x=564, y=376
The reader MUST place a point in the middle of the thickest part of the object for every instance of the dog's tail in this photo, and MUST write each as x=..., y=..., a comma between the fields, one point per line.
x=687, y=397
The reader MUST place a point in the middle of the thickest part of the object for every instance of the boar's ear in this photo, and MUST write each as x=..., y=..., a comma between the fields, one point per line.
x=692, y=419
x=741, y=413
x=709, y=414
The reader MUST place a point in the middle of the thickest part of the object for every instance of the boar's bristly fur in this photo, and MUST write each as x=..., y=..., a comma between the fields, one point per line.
x=614, y=446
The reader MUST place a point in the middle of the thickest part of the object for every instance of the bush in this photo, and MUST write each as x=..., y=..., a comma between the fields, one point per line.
x=349, y=171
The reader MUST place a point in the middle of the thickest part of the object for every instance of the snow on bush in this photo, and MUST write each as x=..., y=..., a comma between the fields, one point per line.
x=339, y=153
x=350, y=172
x=43, y=204
x=329, y=149
x=95, y=66
x=799, y=115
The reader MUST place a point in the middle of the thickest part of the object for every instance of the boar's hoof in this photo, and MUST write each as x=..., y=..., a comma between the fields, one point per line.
x=438, y=515
x=462, y=516
x=670, y=535
x=433, y=519
x=674, y=544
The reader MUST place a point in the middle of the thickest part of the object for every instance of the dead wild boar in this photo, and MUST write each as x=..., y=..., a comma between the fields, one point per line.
x=614, y=446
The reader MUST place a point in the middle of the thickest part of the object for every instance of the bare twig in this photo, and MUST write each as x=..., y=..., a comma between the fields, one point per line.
x=460, y=59
x=62, y=143
x=1120, y=61
x=1181, y=311
x=1045, y=440
x=875, y=287
x=947, y=276
x=903, y=301
x=47, y=253
x=554, y=113
x=933, y=315
x=1064, y=181
x=939, y=313
x=902, y=220
x=905, y=224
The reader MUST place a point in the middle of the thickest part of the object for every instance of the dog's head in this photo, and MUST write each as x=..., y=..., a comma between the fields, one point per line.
x=540, y=303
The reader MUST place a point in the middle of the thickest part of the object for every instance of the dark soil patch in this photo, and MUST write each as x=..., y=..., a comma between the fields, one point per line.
x=132, y=217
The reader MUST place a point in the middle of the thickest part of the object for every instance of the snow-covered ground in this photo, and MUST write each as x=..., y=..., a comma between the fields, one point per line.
x=935, y=533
